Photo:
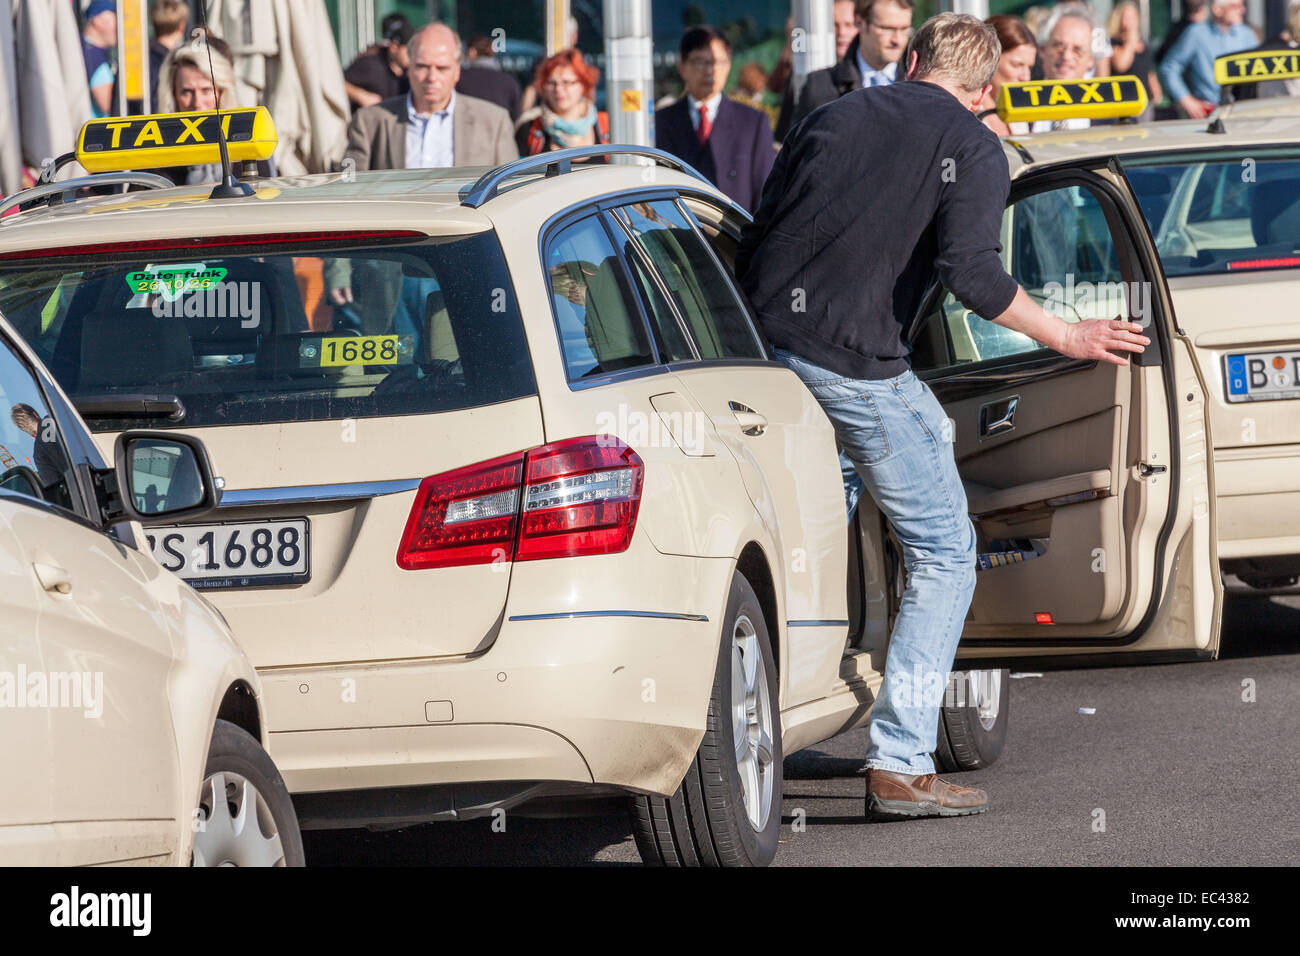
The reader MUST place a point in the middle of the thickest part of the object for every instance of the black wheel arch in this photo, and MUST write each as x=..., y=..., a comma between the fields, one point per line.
x=240, y=707
x=756, y=569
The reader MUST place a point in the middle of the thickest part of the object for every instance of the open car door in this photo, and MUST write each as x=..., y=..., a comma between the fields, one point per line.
x=1089, y=483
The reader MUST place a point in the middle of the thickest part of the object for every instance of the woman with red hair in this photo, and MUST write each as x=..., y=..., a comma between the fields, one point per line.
x=1019, y=51
x=567, y=114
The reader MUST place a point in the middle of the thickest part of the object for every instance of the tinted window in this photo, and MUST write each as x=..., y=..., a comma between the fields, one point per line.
x=1222, y=214
x=257, y=334
x=33, y=459
x=695, y=284
x=669, y=333
x=601, y=330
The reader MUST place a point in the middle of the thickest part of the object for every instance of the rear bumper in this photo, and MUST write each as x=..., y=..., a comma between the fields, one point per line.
x=611, y=697
x=1257, y=496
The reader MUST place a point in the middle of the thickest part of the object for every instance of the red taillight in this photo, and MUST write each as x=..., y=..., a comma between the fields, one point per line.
x=466, y=516
x=569, y=498
x=581, y=496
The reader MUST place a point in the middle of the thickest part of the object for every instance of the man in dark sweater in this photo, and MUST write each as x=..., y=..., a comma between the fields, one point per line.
x=871, y=195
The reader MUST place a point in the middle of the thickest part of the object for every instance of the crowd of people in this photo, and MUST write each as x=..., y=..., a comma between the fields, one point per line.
x=1062, y=42
x=423, y=98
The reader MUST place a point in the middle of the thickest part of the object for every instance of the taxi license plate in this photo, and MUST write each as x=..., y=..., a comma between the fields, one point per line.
x=1262, y=376
x=235, y=554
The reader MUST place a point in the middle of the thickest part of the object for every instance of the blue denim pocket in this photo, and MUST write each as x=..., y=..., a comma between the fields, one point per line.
x=859, y=426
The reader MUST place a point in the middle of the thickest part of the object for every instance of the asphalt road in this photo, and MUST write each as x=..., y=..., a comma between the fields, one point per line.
x=1175, y=764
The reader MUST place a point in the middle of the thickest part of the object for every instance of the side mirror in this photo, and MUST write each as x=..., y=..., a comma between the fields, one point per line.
x=163, y=476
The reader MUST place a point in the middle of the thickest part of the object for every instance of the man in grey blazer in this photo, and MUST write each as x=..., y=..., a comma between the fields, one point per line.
x=433, y=125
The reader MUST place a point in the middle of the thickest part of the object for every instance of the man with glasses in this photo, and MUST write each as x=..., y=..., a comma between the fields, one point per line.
x=1068, y=55
x=1195, y=52
x=884, y=27
x=728, y=142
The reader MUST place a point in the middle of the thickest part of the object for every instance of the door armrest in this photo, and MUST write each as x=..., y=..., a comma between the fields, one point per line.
x=983, y=501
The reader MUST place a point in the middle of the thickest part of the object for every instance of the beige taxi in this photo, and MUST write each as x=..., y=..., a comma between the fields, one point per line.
x=1221, y=199
x=133, y=729
x=520, y=510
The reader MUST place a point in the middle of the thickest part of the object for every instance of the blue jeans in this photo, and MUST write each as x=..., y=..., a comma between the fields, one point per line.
x=896, y=442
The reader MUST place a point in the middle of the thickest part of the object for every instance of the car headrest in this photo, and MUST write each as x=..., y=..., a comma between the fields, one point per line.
x=238, y=308
x=1275, y=211
x=132, y=347
x=439, y=337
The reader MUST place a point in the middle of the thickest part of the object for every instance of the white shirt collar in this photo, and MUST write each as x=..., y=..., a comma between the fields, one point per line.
x=711, y=105
x=866, y=72
x=413, y=115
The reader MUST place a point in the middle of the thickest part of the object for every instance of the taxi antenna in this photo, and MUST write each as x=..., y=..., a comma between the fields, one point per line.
x=229, y=187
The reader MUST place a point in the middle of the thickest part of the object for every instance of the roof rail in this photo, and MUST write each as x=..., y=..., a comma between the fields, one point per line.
x=559, y=162
x=69, y=186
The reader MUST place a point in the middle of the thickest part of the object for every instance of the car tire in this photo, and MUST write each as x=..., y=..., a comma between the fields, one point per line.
x=973, y=731
x=709, y=821
x=226, y=833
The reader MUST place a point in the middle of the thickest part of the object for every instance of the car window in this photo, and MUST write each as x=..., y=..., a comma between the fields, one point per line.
x=263, y=333
x=601, y=330
x=1227, y=212
x=1058, y=246
x=696, y=286
x=34, y=461
x=670, y=335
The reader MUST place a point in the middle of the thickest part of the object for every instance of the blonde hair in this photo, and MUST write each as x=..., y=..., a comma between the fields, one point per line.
x=222, y=75
x=1113, y=21
x=1293, y=21
x=957, y=47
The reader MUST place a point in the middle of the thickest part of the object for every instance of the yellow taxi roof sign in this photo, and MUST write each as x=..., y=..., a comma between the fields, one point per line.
x=1257, y=65
x=1107, y=97
x=174, y=139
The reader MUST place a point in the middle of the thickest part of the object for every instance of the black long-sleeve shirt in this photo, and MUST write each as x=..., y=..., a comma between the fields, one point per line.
x=868, y=197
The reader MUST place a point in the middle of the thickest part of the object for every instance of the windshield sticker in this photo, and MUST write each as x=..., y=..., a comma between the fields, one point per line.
x=171, y=281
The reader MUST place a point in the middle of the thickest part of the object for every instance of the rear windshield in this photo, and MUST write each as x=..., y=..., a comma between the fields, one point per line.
x=270, y=333
x=1220, y=213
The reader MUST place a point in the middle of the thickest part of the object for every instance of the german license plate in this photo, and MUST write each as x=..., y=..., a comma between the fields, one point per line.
x=1262, y=376
x=235, y=554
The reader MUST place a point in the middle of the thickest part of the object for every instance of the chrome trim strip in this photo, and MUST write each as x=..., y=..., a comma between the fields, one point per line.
x=816, y=623
x=248, y=497
x=672, y=616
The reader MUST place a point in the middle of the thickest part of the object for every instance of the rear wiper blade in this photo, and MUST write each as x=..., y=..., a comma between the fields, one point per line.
x=123, y=405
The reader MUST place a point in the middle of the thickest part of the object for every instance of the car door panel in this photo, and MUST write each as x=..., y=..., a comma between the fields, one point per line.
x=1053, y=478
x=1070, y=497
x=767, y=421
x=25, y=785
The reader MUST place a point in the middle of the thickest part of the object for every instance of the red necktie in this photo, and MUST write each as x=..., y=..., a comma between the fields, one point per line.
x=705, y=126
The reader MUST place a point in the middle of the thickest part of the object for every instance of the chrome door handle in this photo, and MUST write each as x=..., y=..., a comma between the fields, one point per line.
x=998, y=417
x=751, y=423
x=53, y=577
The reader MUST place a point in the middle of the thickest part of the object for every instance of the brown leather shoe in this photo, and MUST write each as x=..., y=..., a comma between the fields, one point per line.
x=901, y=796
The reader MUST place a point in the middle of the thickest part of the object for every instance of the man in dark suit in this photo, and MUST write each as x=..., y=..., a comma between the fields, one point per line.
x=884, y=27
x=730, y=143
x=483, y=77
